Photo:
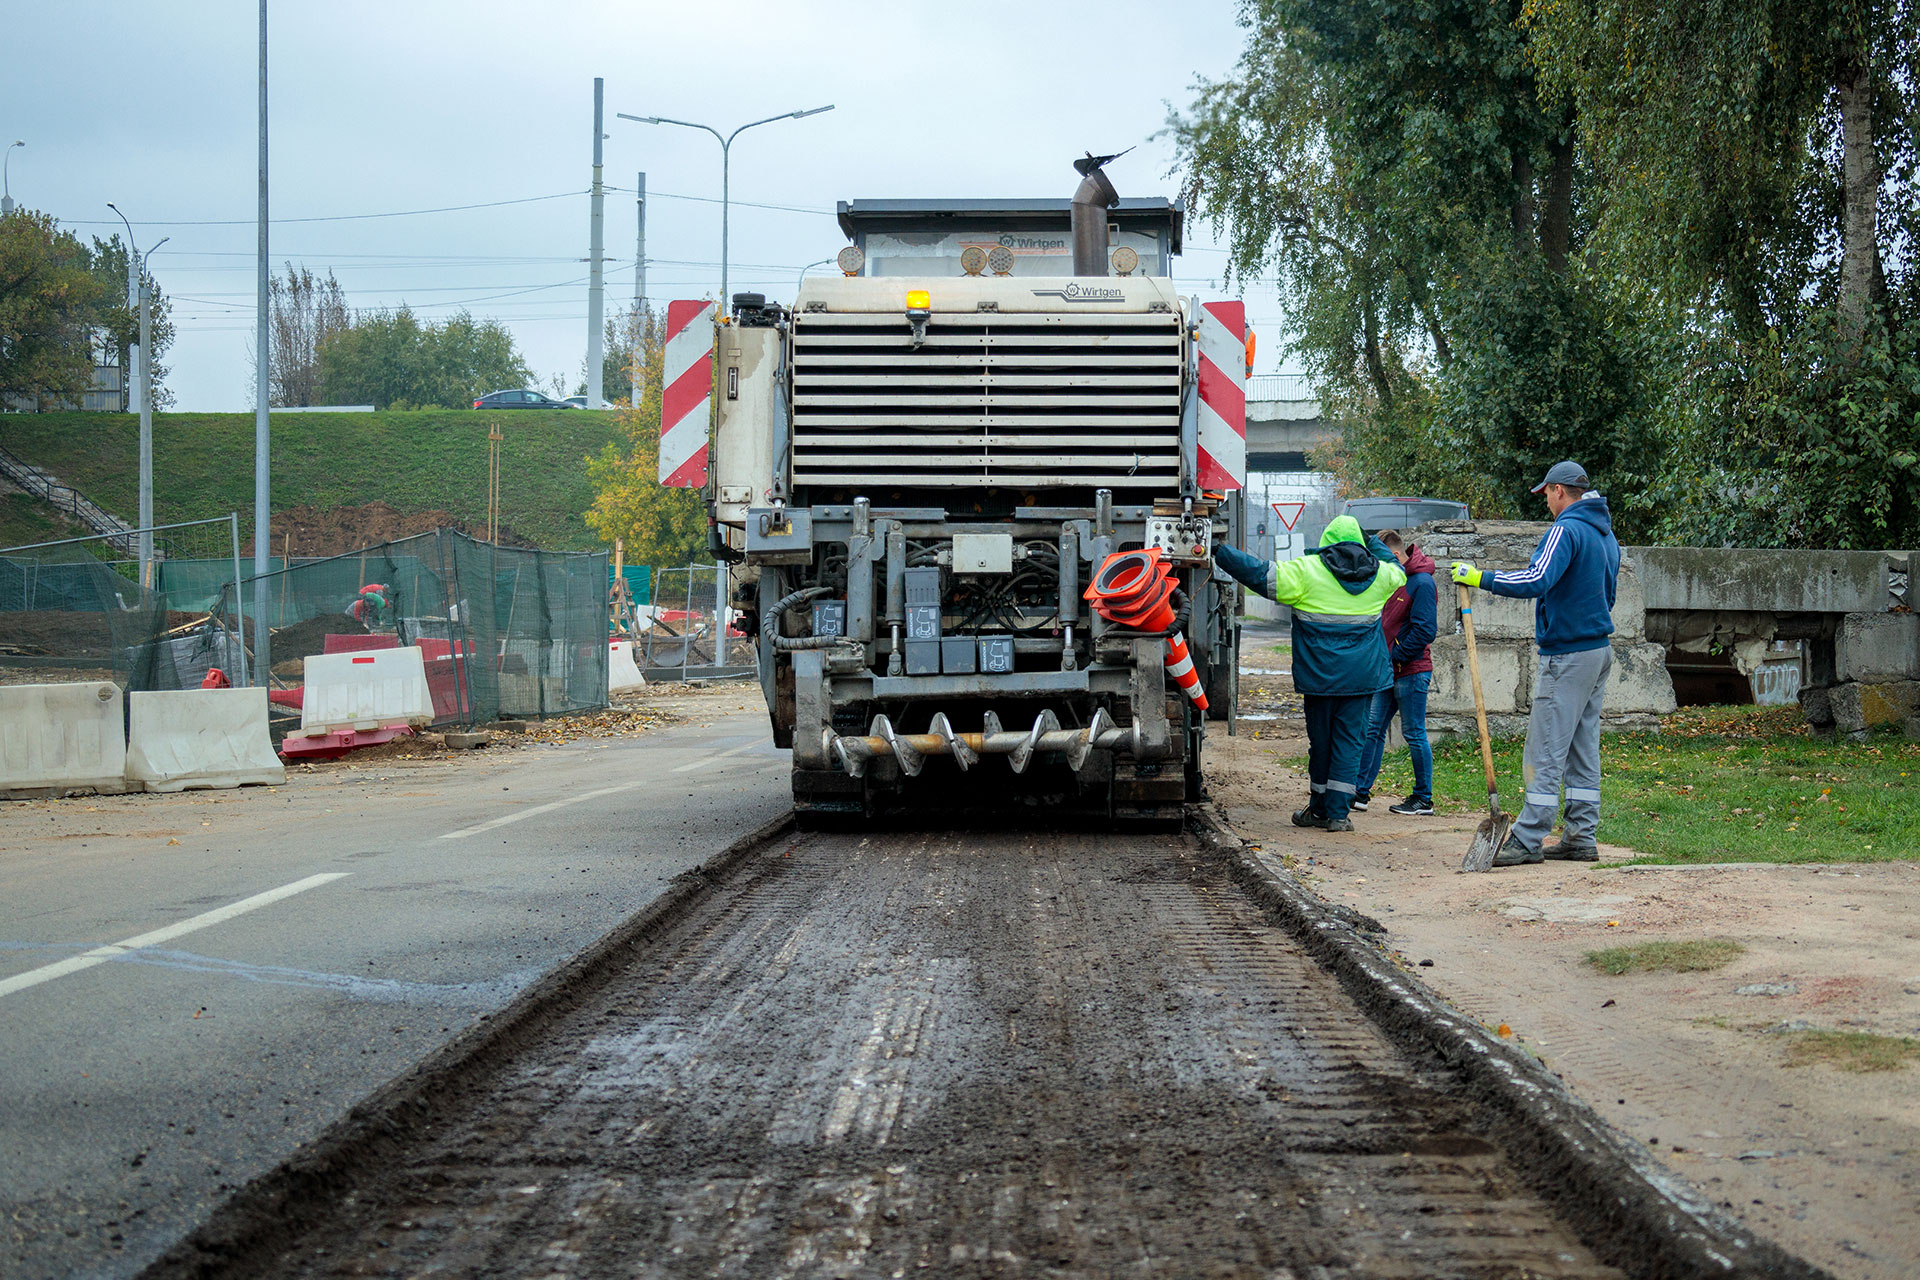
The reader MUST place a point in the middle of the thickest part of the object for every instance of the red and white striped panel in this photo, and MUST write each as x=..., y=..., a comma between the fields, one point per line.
x=1222, y=359
x=686, y=405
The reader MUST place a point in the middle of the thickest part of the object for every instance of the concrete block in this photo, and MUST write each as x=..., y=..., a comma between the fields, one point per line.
x=1501, y=617
x=200, y=738
x=369, y=690
x=58, y=738
x=460, y=740
x=1506, y=676
x=1858, y=708
x=1816, y=704
x=1629, y=608
x=1877, y=648
x=1639, y=683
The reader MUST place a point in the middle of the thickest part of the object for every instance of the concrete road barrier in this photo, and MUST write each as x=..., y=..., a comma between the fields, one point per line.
x=200, y=738
x=58, y=738
x=369, y=690
x=623, y=674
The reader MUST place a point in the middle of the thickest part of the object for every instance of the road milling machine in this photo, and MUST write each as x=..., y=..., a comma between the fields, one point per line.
x=970, y=499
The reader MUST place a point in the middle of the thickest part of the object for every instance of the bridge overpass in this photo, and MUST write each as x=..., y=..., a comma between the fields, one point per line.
x=1283, y=422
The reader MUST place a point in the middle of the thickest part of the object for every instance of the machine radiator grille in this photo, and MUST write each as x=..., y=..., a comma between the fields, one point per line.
x=1014, y=400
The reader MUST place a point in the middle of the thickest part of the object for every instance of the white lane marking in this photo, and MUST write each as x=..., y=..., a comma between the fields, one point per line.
x=583, y=797
x=707, y=760
x=100, y=955
x=539, y=809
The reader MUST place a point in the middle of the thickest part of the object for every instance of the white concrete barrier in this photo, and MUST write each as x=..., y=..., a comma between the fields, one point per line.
x=56, y=738
x=200, y=738
x=372, y=689
x=623, y=675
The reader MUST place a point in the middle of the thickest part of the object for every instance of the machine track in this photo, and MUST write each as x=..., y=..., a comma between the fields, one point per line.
x=972, y=1054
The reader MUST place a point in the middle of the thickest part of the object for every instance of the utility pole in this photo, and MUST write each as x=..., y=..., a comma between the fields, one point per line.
x=262, y=455
x=639, y=289
x=596, y=253
x=130, y=378
x=146, y=441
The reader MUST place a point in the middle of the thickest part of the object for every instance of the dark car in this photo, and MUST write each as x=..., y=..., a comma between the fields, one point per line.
x=1375, y=514
x=518, y=400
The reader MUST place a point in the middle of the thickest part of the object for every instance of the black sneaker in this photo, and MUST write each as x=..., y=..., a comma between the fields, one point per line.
x=1515, y=854
x=1336, y=824
x=1411, y=806
x=1361, y=801
x=1308, y=818
x=1571, y=851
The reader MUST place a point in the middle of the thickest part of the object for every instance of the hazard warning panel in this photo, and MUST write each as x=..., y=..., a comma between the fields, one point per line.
x=1289, y=513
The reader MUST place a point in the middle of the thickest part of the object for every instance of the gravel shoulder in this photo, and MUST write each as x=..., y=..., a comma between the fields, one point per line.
x=1695, y=1065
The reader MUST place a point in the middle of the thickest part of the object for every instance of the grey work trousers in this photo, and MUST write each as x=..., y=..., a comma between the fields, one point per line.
x=1563, y=746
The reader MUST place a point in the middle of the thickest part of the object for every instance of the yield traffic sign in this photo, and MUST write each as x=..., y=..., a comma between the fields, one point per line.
x=1289, y=513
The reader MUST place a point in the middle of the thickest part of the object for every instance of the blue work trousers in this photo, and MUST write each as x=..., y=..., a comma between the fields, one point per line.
x=1336, y=734
x=1408, y=697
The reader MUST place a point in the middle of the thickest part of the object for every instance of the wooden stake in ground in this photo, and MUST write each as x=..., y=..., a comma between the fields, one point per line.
x=1492, y=831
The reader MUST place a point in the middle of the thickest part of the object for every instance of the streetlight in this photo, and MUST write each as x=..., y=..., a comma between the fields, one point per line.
x=802, y=277
x=6, y=189
x=726, y=145
x=137, y=296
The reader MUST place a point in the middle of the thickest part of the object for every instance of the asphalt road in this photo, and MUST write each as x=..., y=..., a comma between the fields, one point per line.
x=1008, y=1054
x=314, y=941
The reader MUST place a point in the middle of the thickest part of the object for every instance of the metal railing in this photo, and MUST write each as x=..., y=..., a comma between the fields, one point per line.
x=68, y=500
x=1281, y=386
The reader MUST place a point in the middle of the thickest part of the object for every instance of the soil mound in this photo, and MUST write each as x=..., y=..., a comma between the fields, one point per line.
x=338, y=530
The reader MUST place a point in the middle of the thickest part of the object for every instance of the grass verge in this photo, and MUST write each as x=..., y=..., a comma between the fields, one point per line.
x=1851, y=1050
x=1722, y=784
x=1689, y=956
x=421, y=461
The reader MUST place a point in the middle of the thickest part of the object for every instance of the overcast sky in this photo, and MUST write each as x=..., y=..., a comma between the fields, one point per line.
x=419, y=105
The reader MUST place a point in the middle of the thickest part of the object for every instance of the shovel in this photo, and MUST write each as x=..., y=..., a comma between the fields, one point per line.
x=1492, y=831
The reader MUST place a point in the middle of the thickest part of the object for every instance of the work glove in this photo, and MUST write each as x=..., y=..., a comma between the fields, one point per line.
x=1466, y=575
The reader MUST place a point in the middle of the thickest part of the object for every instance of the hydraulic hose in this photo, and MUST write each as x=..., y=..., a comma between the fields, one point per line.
x=770, y=622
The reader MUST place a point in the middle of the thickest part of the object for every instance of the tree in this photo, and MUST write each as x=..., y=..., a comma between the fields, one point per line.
x=304, y=312
x=1759, y=164
x=659, y=525
x=389, y=359
x=52, y=300
x=1392, y=163
x=119, y=323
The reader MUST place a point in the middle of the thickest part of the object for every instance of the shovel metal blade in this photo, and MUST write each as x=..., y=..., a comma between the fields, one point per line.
x=1487, y=839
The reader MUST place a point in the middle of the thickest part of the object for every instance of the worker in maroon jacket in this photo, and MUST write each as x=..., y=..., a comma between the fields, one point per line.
x=1410, y=620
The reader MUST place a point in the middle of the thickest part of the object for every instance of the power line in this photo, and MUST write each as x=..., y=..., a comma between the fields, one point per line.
x=343, y=217
x=451, y=208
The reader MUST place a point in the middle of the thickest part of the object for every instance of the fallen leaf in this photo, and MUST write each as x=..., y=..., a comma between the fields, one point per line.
x=1504, y=1030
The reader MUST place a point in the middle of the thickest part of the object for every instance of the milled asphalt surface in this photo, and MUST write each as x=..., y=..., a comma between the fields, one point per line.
x=136, y=1094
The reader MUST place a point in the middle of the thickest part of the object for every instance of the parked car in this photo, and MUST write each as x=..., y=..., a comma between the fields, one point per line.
x=1375, y=514
x=578, y=402
x=519, y=400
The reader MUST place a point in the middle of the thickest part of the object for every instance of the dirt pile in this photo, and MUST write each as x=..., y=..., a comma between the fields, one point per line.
x=61, y=633
x=310, y=531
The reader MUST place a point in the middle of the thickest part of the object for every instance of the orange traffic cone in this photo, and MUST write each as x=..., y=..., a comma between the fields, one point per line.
x=1132, y=589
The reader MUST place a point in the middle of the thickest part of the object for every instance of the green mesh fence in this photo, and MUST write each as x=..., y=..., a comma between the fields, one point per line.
x=75, y=611
x=506, y=632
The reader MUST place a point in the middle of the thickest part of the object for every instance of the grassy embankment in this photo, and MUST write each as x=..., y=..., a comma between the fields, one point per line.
x=1722, y=784
x=423, y=461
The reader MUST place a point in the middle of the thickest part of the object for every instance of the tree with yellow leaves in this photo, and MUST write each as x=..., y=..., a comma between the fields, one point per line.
x=661, y=526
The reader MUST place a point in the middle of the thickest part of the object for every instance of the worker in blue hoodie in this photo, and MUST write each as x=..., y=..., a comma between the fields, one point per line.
x=1573, y=575
x=1339, y=655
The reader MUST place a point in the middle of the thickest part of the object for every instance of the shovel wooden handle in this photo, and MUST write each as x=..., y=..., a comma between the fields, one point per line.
x=1479, y=698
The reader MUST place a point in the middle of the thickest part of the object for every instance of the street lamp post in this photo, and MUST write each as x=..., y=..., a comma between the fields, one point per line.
x=6, y=188
x=726, y=148
x=141, y=388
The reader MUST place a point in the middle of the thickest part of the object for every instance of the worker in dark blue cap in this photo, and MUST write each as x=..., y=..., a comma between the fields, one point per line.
x=1573, y=575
